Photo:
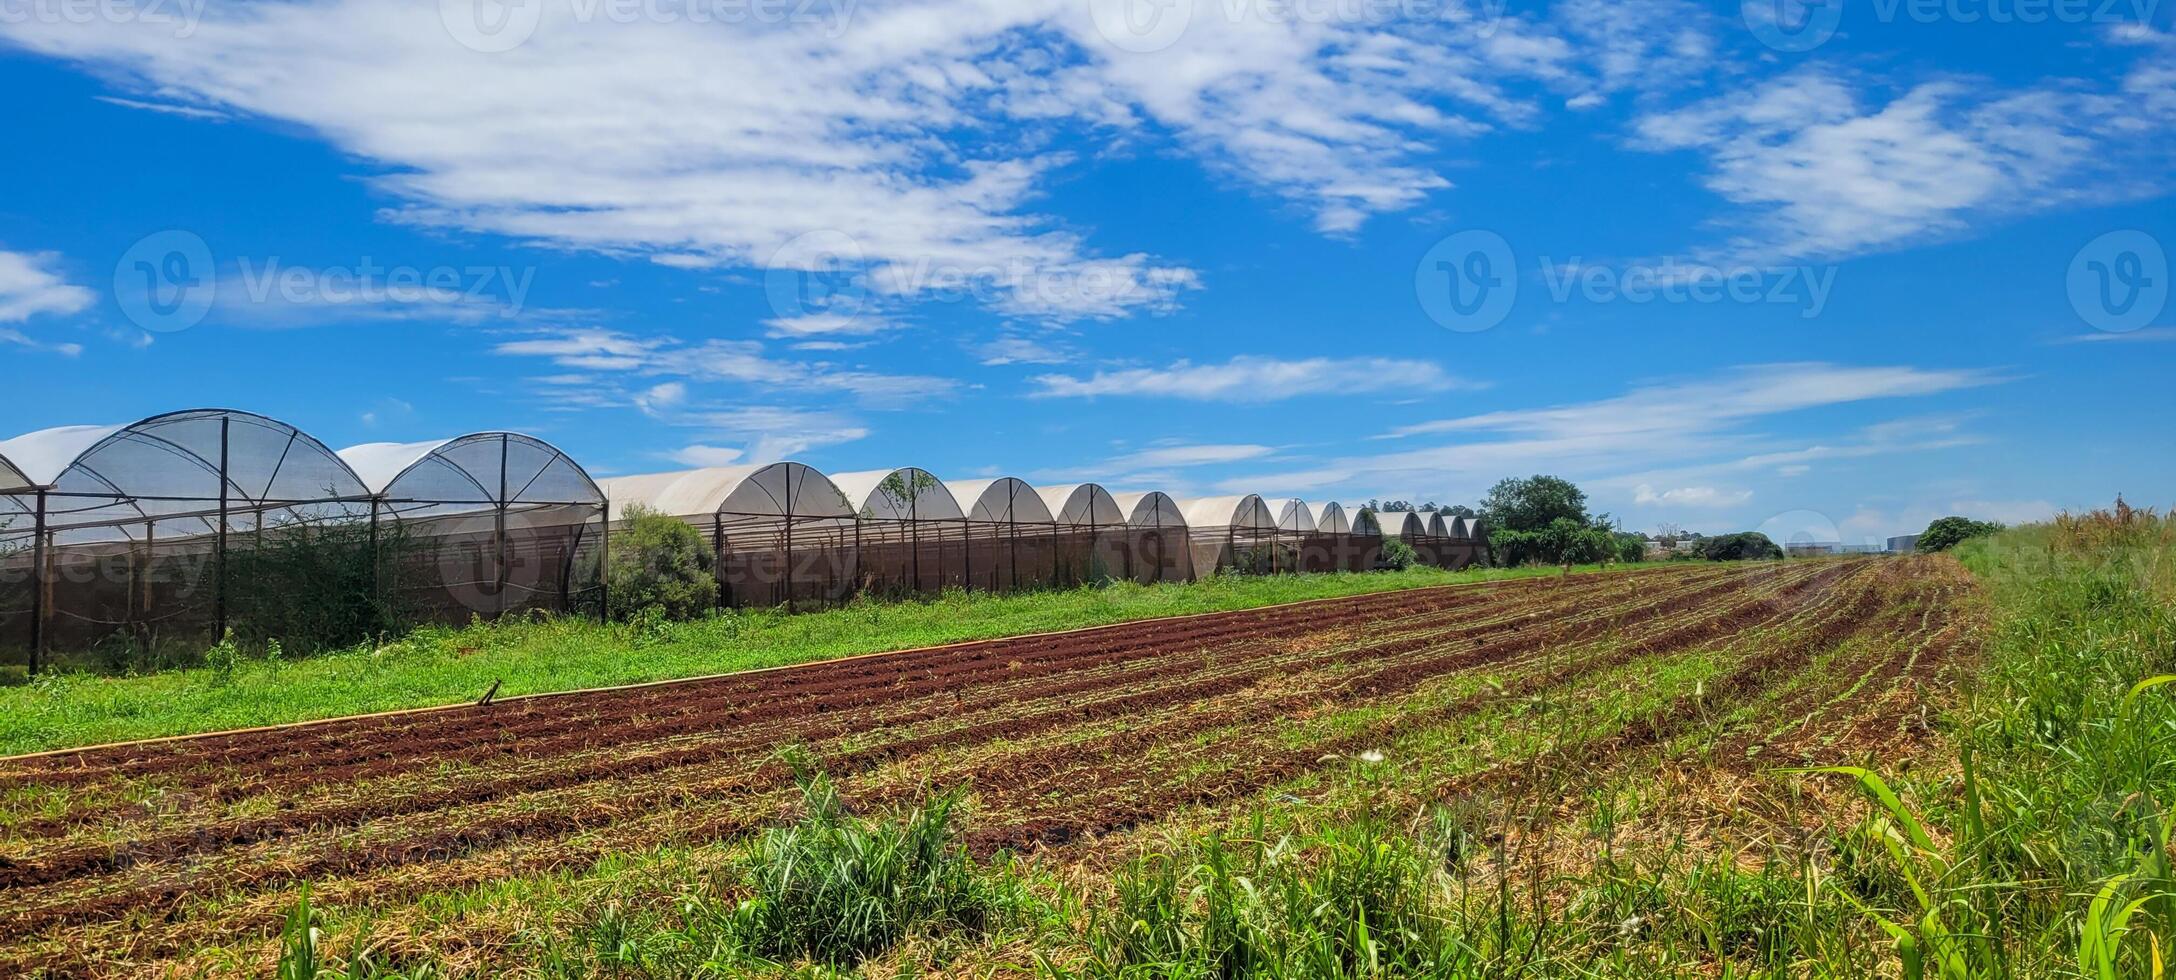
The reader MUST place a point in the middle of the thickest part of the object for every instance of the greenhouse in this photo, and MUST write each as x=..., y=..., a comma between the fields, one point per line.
x=1091, y=533
x=1011, y=535
x=483, y=525
x=174, y=529
x=780, y=534
x=1335, y=546
x=913, y=536
x=1156, y=538
x=1231, y=535
x=1295, y=529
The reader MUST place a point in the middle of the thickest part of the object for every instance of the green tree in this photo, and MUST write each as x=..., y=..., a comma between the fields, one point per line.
x=1630, y=547
x=1742, y=546
x=1531, y=503
x=659, y=562
x=1947, y=532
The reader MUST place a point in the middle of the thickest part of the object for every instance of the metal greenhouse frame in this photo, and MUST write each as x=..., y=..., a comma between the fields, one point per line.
x=1011, y=535
x=1295, y=534
x=913, y=536
x=166, y=528
x=1342, y=550
x=781, y=534
x=1157, y=548
x=485, y=524
x=1231, y=535
x=1090, y=532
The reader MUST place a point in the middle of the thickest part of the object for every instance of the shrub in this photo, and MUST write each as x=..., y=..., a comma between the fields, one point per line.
x=1397, y=555
x=1947, y=532
x=837, y=888
x=1631, y=548
x=660, y=563
x=1351, y=901
x=1742, y=546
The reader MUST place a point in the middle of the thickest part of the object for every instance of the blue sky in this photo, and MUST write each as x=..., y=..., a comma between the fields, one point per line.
x=1832, y=274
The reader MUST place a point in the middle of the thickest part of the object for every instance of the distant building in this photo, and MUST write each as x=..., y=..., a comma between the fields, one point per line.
x=1903, y=544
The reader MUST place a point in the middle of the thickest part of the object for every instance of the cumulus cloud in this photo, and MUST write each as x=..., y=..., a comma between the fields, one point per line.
x=29, y=287
x=1828, y=166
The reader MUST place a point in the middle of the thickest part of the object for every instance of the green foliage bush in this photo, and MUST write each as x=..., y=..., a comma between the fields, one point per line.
x=1948, y=532
x=1742, y=546
x=1397, y=555
x=837, y=888
x=1353, y=900
x=314, y=585
x=660, y=563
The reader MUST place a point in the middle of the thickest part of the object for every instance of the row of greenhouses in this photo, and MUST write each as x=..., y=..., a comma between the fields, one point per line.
x=184, y=527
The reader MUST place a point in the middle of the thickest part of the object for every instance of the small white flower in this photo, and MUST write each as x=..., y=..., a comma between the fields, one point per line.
x=1371, y=755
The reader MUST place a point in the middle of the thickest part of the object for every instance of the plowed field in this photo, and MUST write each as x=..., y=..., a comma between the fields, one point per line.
x=125, y=861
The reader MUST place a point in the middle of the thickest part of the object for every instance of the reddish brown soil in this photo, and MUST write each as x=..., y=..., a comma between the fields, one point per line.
x=1063, y=738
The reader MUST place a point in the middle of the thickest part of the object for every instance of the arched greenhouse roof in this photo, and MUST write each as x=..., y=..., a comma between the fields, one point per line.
x=1293, y=514
x=1330, y=518
x=1082, y=505
x=1151, y=509
x=1005, y=500
x=777, y=490
x=484, y=468
x=34, y=460
x=1401, y=524
x=906, y=494
x=1246, y=512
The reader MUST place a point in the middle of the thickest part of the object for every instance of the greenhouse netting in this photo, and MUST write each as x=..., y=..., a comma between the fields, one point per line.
x=1090, y=535
x=1156, y=538
x=781, y=534
x=483, y=525
x=122, y=541
x=1231, y=535
x=1012, y=538
x=913, y=537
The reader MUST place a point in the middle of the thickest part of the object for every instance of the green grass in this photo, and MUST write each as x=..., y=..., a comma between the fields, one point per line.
x=452, y=665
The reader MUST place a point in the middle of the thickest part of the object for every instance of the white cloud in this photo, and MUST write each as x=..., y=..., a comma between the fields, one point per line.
x=1653, y=414
x=1690, y=496
x=1701, y=426
x=825, y=324
x=734, y=364
x=29, y=287
x=1831, y=169
x=1198, y=455
x=1019, y=350
x=1255, y=379
x=701, y=456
